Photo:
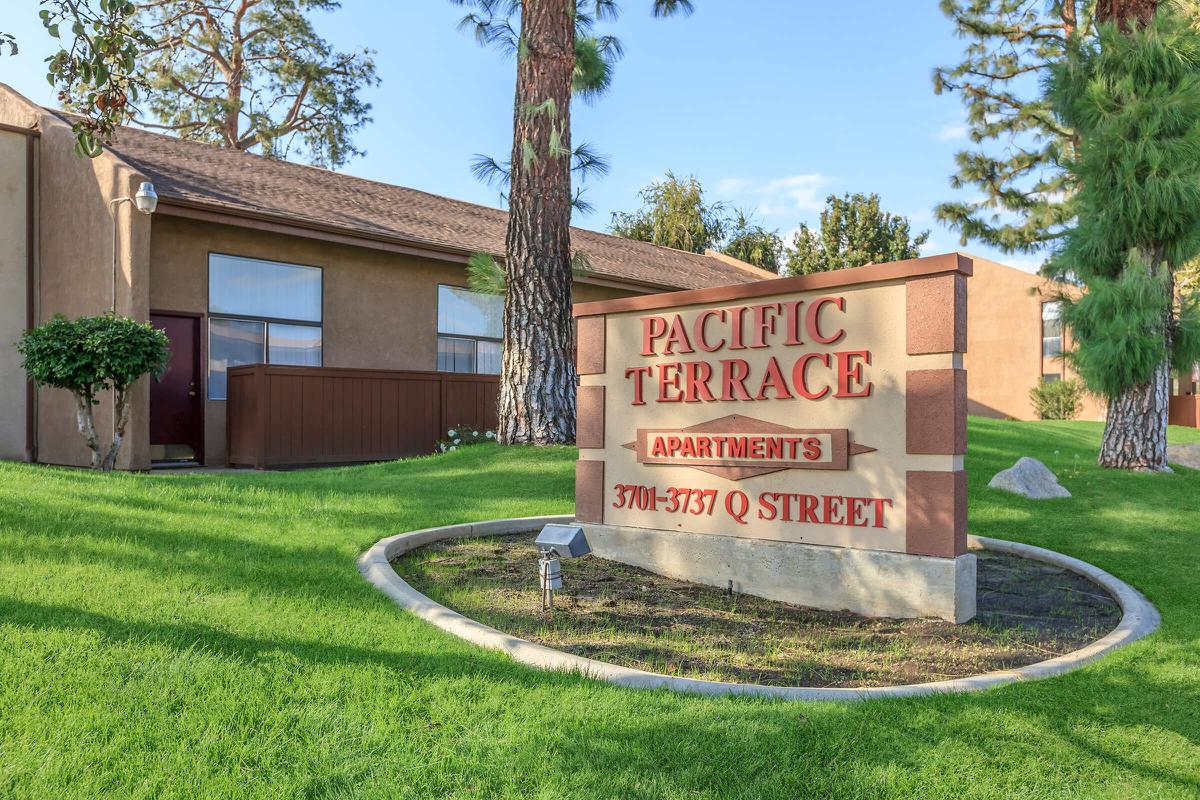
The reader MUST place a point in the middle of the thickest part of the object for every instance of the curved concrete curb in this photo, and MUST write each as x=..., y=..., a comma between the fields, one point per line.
x=1139, y=618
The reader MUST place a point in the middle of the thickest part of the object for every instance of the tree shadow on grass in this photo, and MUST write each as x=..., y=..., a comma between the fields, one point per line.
x=969, y=744
x=266, y=534
x=114, y=542
x=751, y=748
x=602, y=741
x=451, y=663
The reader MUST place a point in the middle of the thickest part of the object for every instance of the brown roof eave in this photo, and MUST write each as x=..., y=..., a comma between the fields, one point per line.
x=292, y=226
x=17, y=129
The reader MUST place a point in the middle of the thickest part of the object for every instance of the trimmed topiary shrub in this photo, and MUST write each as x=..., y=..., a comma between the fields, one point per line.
x=90, y=355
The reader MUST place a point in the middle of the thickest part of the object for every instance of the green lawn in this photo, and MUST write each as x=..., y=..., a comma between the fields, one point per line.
x=208, y=636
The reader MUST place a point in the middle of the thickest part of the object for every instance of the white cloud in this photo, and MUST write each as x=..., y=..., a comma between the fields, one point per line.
x=934, y=247
x=728, y=186
x=952, y=132
x=789, y=196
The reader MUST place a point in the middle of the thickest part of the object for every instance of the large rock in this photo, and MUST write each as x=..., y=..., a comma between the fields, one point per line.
x=1029, y=478
x=1185, y=455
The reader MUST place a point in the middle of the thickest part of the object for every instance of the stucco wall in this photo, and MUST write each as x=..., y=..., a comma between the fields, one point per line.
x=74, y=230
x=380, y=308
x=14, y=263
x=75, y=279
x=1004, y=343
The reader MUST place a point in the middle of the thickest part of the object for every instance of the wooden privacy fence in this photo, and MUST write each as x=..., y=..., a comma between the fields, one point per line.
x=290, y=416
x=1185, y=410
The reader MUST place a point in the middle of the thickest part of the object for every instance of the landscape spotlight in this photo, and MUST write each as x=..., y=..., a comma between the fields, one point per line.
x=565, y=541
x=554, y=543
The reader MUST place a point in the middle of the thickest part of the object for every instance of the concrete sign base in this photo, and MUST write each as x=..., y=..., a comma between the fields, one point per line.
x=874, y=583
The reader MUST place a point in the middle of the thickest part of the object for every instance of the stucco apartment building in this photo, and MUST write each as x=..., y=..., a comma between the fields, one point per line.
x=249, y=260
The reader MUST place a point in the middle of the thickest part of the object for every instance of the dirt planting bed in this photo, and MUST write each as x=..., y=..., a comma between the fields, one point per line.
x=1027, y=612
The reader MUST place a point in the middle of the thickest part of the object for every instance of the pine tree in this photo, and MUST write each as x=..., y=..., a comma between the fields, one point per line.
x=254, y=75
x=557, y=55
x=1133, y=97
x=1026, y=198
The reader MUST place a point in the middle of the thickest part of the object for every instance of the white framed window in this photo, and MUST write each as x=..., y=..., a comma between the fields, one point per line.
x=470, y=331
x=1052, y=338
x=261, y=312
x=252, y=287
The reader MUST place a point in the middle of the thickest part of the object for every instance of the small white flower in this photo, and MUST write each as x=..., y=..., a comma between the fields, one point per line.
x=452, y=447
x=458, y=441
x=490, y=435
x=452, y=432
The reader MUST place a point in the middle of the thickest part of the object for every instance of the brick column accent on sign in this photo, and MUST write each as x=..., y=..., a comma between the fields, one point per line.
x=590, y=344
x=936, y=521
x=936, y=411
x=936, y=415
x=589, y=491
x=936, y=309
x=589, y=417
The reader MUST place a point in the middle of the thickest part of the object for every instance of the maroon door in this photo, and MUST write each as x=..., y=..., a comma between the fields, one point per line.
x=176, y=403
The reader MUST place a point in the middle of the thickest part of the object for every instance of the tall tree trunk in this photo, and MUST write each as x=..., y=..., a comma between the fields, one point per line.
x=1135, y=433
x=537, y=383
x=1070, y=18
x=1126, y=12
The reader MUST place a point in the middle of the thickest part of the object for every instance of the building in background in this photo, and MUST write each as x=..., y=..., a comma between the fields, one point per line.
x=1185, y=399
x=1015, y=340
x=250, y=260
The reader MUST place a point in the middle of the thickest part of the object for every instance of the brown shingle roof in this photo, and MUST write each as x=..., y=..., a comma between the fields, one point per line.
x=233, y=181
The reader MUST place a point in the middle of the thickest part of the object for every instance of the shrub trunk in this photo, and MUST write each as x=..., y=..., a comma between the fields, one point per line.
x=87, y=427
x=103, y=459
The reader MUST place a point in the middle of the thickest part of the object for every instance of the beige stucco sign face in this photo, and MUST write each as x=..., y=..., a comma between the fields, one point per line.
x=825, y=409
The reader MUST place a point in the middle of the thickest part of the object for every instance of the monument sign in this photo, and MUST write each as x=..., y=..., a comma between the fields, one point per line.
x=800, y=439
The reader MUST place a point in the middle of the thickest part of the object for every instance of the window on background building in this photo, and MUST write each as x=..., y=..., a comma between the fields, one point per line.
x=261, y=312
x=1052, y=339
x=470, y=330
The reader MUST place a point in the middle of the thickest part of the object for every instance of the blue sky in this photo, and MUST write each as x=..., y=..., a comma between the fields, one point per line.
x=771, y=103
